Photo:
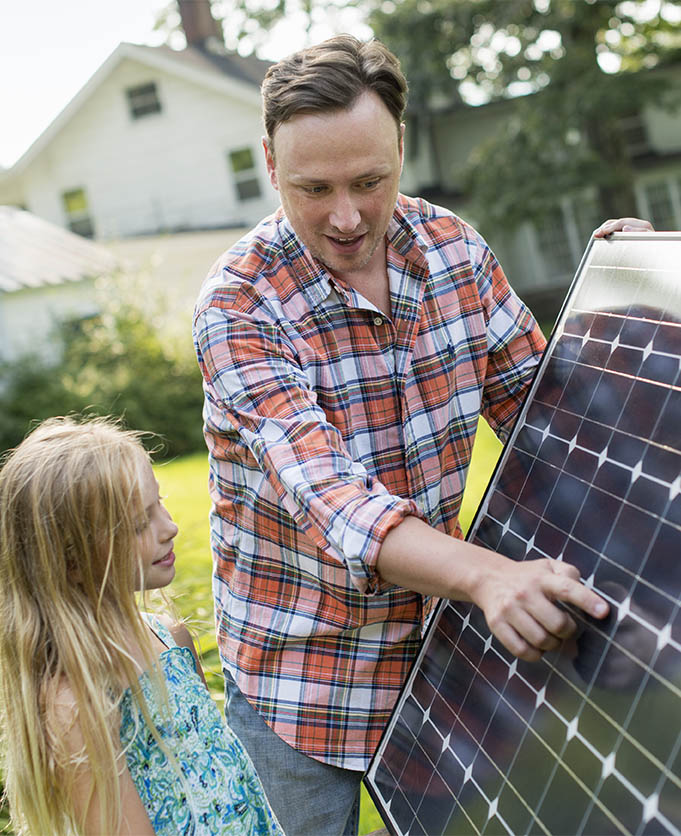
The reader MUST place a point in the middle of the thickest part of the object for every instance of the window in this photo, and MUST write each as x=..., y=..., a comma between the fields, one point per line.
x=78, y=213
x=143, y=100
x=243, y=168
x=635, y=134
x=587, y=216
x=660, y=206
x=554, y=243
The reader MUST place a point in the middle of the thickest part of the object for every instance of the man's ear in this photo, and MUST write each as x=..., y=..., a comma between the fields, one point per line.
x=269, y=162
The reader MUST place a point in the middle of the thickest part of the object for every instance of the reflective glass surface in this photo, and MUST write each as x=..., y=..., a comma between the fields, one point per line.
x=588, y=740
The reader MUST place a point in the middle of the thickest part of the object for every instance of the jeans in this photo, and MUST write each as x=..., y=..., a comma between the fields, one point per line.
x=308, y=797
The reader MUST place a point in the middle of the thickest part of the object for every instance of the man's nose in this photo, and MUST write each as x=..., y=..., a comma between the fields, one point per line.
x=345, y=216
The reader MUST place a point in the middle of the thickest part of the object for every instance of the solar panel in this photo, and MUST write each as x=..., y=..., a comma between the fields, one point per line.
x=587, y=740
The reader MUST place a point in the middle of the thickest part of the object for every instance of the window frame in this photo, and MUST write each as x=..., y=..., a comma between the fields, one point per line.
x=78, y=219
x=244, y=176
x=147, y=94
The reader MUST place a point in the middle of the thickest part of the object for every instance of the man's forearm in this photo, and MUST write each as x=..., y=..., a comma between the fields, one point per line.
x=418, y=557
x=518, y=598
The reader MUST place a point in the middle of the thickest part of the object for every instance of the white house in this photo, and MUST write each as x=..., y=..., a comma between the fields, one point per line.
x=541, y=259
x=157, y=140
x=47, y=275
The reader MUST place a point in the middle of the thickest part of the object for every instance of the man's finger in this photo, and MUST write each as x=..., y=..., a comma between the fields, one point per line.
x=562, y=588
x=623, y=225
x=554, y=620
x=516, y=644
x=539, y=635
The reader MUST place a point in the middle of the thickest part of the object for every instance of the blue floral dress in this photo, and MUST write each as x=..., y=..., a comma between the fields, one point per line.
x=219, y=791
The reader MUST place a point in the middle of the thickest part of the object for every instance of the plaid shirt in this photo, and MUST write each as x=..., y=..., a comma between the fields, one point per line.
x=327, y=423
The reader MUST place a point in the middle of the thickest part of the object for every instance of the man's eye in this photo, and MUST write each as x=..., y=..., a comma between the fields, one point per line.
x=314, y=189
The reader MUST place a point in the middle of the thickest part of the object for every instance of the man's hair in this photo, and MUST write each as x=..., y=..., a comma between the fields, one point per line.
x=331, y=76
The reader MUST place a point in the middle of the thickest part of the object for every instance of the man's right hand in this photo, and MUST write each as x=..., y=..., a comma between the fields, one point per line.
x=520, y=600
x=520, y=603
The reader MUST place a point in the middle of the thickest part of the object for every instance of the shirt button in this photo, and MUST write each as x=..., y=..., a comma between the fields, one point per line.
x=378, y=320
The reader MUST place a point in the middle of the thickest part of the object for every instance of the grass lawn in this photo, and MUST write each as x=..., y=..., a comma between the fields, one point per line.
x=184, y=482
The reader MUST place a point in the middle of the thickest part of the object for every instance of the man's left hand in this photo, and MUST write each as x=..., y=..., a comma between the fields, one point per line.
x=623, y=225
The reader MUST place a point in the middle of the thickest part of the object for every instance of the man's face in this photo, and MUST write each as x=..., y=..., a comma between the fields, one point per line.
x=338, y=174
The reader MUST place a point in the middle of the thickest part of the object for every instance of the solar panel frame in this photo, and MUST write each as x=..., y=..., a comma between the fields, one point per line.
x=468, y=767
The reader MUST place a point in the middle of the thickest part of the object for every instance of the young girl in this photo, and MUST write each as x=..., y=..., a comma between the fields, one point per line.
x=108, y=726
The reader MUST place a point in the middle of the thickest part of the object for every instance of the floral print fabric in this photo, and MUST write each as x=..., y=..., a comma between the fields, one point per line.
x=216, y=790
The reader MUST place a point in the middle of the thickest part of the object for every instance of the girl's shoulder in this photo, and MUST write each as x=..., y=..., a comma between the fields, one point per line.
x=62, y=716
x=62, y=705
x=163, y=625
x=171, y=631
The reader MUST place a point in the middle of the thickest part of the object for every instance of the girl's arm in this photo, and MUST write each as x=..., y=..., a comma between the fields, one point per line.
x=134, y=819
x=183, y=638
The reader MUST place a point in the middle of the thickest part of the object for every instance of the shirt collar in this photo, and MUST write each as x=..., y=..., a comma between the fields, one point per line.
x=315, y=281
x=403, y=236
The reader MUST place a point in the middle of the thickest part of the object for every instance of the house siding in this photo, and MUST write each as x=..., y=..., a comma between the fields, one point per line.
x=29, y=317
x=164, y=171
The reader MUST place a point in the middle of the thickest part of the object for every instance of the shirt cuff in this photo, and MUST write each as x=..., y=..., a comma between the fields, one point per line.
x=362, y=568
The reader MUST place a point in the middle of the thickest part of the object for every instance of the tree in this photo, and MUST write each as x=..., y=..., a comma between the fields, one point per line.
x=585, y=62
x=273, y=28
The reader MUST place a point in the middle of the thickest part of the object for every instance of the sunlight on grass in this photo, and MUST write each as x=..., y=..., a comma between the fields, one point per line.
x=185, y=484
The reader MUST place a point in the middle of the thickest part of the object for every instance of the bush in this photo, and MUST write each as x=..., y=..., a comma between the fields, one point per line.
x=127, y=361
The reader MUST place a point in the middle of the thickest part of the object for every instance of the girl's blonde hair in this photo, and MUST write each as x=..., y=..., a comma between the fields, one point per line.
x=70, y=511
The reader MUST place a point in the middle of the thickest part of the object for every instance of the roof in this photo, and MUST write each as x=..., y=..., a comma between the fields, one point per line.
x=36, y=253
x=209, y=65
x=215, y=58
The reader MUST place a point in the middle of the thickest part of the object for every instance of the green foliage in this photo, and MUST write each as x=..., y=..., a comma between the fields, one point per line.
x=495, y=49
x=119, y=363
x=583, y=60
x=261, y=26
x=4, y=818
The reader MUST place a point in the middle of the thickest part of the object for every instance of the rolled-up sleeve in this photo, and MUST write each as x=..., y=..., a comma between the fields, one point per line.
x=515, y=342
x=253, y=379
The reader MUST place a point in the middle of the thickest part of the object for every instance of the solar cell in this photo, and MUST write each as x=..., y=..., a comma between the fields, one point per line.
x=587, y=740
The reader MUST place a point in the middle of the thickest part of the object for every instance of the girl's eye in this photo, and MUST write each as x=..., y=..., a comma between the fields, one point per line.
x=141, y=527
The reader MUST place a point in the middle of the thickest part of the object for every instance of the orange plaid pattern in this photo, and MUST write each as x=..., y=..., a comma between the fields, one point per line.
x=327, y=423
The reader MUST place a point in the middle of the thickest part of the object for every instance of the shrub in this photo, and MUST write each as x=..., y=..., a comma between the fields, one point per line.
x=127, y=361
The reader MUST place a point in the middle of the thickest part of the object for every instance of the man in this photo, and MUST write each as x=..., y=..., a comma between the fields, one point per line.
x=348, y=345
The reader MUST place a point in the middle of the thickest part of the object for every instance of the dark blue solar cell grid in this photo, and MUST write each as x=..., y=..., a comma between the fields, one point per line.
x=587, y=741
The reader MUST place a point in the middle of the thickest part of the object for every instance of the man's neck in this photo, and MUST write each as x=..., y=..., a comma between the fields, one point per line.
x=371, y=281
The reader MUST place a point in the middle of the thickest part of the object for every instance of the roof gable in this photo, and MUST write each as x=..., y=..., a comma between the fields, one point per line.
x=225, y=72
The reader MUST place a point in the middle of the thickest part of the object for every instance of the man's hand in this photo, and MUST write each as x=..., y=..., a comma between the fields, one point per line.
x=622, y=225
x=520, y=600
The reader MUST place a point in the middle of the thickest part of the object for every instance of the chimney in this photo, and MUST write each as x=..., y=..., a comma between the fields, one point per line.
x=198, y=23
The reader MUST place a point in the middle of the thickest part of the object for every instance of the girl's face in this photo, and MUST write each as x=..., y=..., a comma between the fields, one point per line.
x=155, y=532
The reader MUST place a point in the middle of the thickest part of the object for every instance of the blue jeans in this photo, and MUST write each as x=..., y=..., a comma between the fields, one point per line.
x=308, y=797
